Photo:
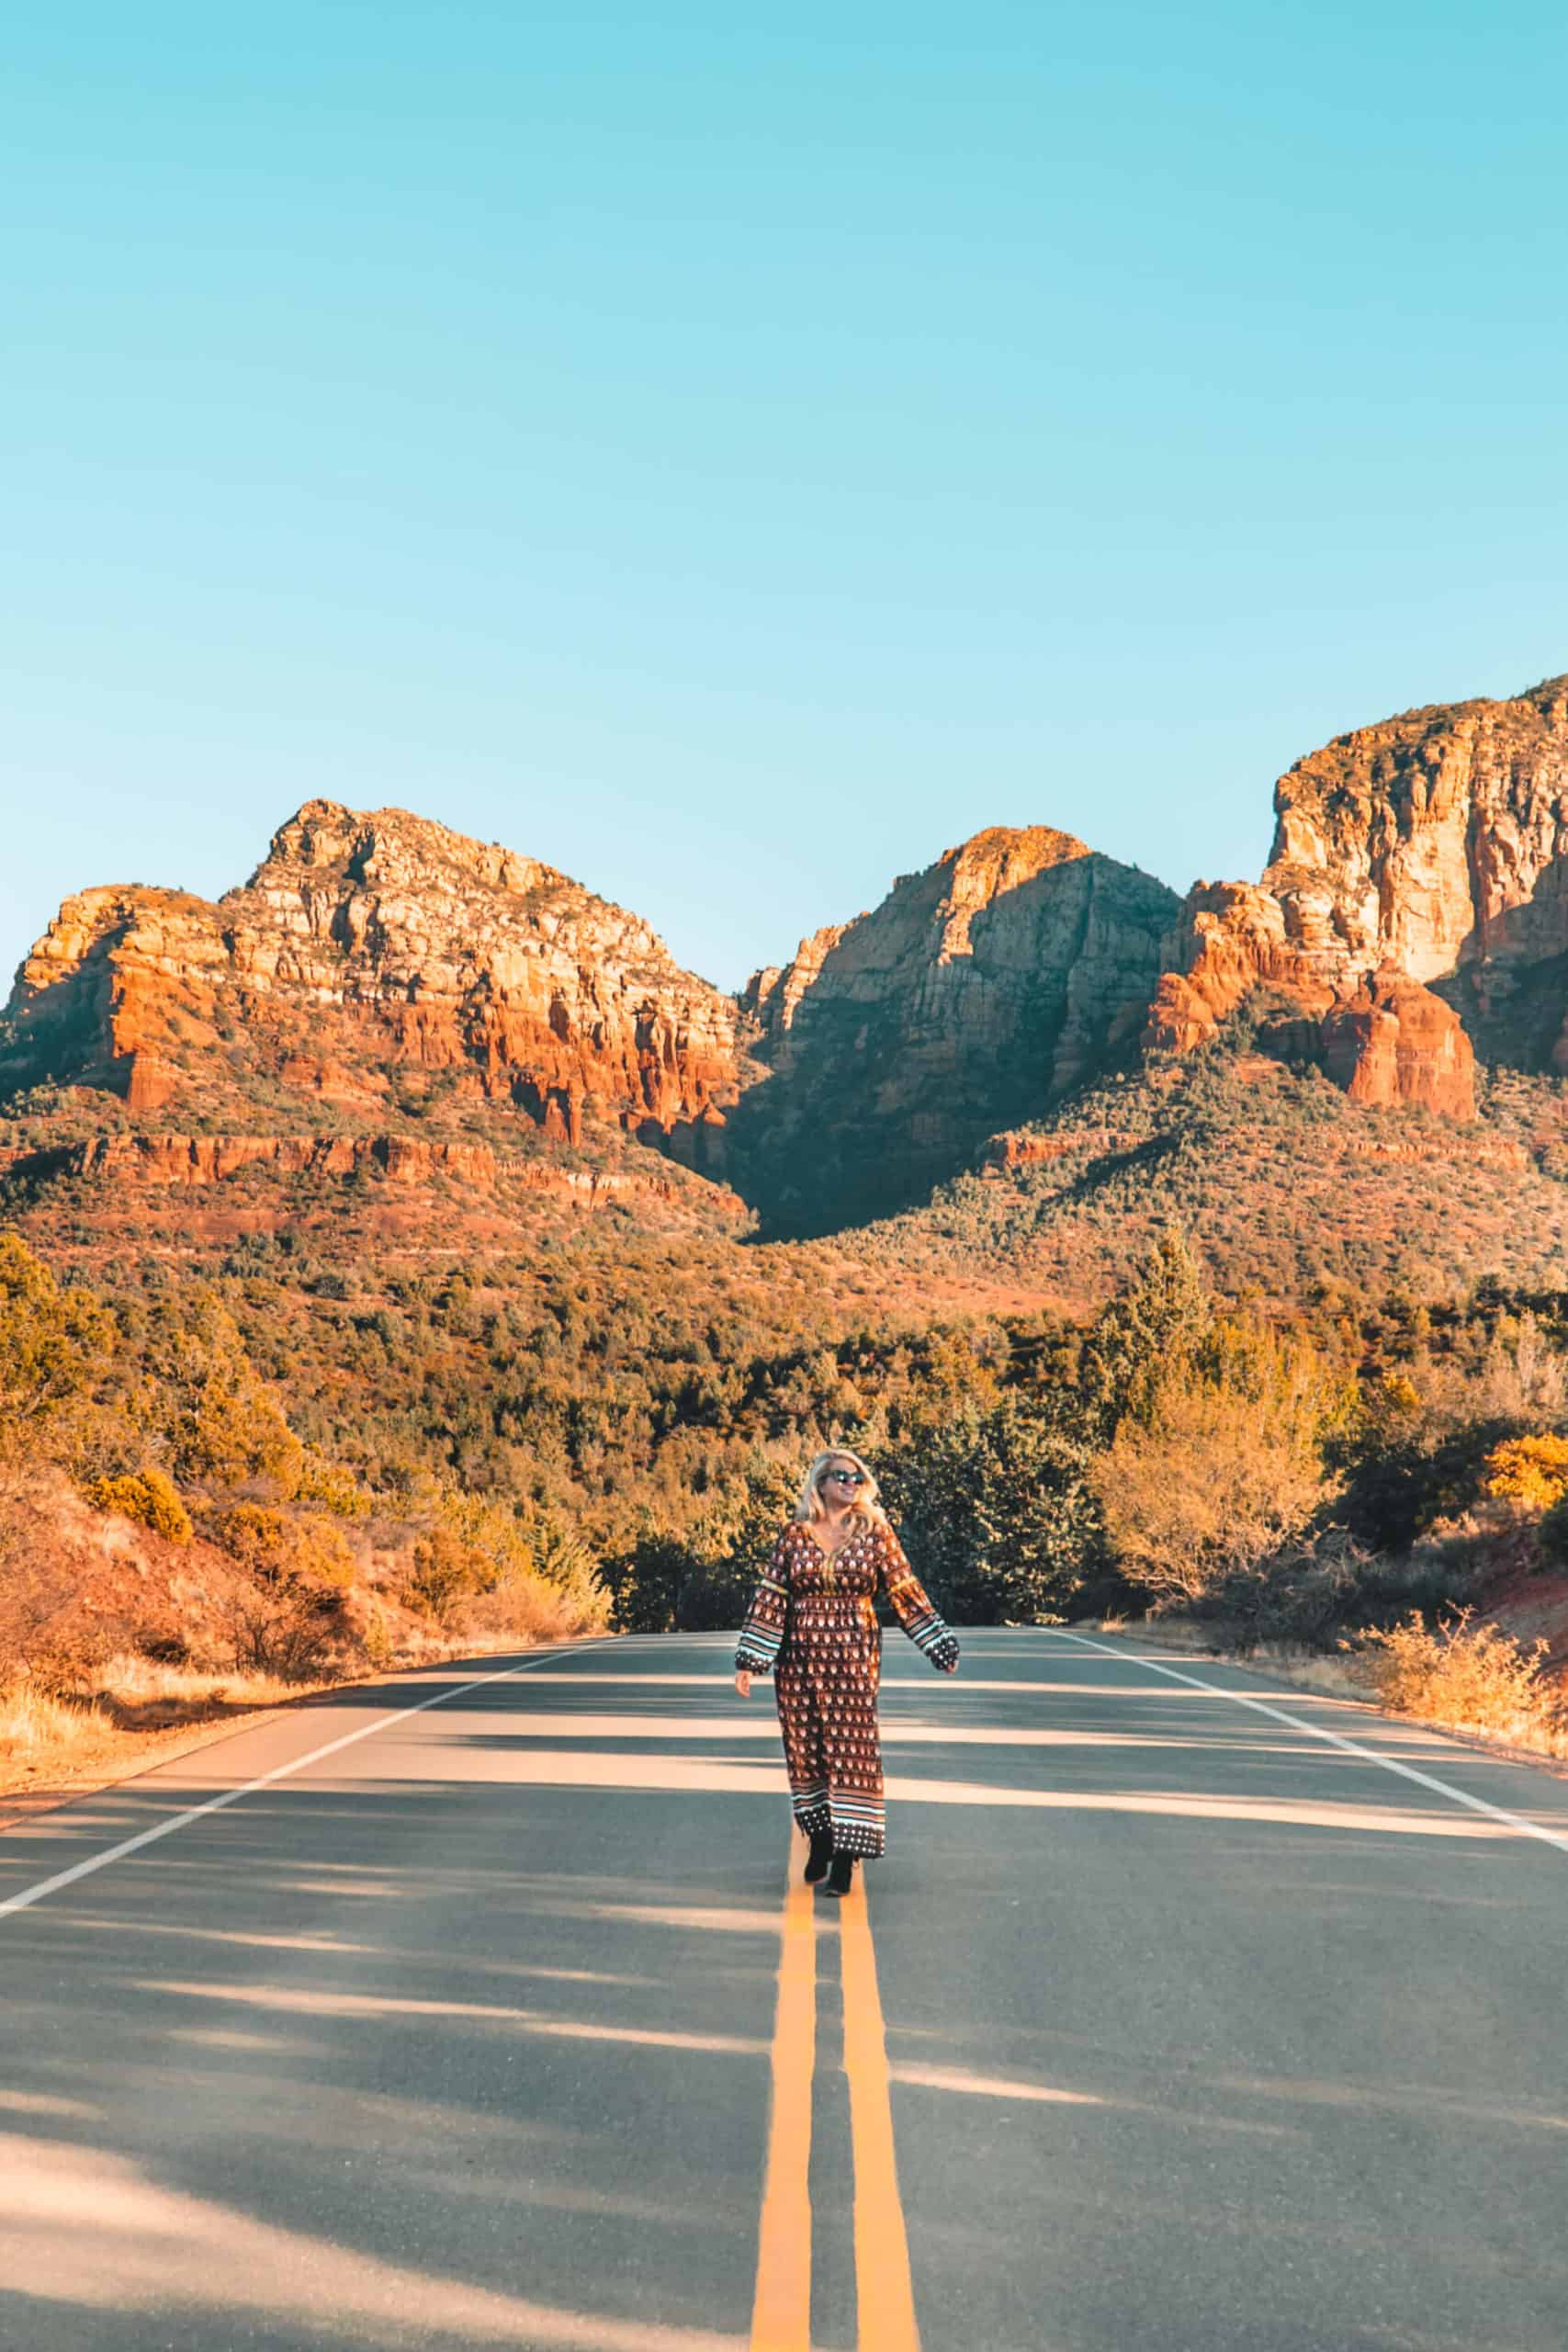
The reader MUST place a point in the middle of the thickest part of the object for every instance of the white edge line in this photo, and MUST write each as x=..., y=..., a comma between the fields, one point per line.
x=1517, y=1821
x=30, y=1895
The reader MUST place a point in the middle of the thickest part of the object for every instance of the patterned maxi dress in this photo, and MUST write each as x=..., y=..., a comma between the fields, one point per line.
x=812, y=1625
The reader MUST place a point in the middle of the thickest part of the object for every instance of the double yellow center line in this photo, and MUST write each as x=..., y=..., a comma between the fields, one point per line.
x=781, y=2317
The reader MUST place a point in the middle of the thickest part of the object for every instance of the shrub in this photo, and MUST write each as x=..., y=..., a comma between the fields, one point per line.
x=714, y=1596
x=444, y=1571
x=1396, y=1490
x=1300, y=1593
x=50, y=1337
x=147, y=1497
x=329, y=1484
x=1553, y=1532
x=276, y=1629
x=1529, y=1470
x=1222, y=1470
x=646, y=1577
x=285, y=1549
x=525, y=1608
x=996, y=1510
x=1473, y=1678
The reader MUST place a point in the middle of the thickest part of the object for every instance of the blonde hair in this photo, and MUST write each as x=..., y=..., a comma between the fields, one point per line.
x=867, y=1504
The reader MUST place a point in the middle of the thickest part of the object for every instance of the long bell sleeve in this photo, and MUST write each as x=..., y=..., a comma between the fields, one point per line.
x=908, y=1598
x=761, y=1636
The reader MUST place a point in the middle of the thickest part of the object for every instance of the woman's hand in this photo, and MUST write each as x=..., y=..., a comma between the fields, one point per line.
x=743, y=1681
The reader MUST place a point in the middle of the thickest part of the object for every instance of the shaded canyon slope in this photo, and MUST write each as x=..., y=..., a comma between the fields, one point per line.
x=978, y=994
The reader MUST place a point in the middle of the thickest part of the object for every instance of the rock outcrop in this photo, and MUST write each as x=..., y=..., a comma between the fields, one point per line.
x=1002, y=1155
x=979, y=993
x=1393, y=1042
x=1419, y=872
x=437, y=992
x=160, y=1160
x=1432, y=842
x=365, y=946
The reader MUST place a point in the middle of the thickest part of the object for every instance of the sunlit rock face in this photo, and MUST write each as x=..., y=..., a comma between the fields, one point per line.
x=976, y=994
x=381, y=976
x=1432, y=842
x=364, y=945
x=1420, y=859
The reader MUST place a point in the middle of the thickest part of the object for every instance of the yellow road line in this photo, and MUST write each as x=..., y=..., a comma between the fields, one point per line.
x=885, y=2296
x=780, y=2314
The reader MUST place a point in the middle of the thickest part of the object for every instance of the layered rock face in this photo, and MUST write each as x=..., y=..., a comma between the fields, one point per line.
x=160, y=1160
x=383, y=988
x=1431, y=841
x=368, y=945
x=1420, y=878
x=979, y=992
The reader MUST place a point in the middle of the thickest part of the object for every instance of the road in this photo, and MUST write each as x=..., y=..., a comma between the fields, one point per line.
x=1171, y=2022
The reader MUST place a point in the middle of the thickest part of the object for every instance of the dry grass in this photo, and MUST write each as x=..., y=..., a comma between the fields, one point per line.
x=35, y=1729
x=126, y=1714
x=133, y=1712
x=1471, y=1678
x=141, y=1691
x=1487, y=1687
x=1346, y=1677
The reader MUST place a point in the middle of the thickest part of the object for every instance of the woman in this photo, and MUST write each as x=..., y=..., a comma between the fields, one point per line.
x=814, y=1619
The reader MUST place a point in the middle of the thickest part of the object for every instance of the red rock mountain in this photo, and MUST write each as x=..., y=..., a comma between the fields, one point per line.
x=367, y=954
x=381, y=984
x=1413, y=909
x=979, y=993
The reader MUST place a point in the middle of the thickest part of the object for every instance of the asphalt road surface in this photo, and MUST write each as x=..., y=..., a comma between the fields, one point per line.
x=490, y=2019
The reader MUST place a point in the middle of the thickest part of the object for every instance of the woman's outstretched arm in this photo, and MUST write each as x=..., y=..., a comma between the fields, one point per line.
x=761, y=1636
x=908, y=1598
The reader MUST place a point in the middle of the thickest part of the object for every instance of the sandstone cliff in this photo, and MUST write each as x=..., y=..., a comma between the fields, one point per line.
x=365, y=948
x=1414, y=907
x=978, y=992
x=381, y=982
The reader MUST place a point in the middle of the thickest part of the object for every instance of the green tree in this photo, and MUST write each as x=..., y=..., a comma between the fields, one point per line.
x=728, y=1554
x=1142, y=1340
x=996, y=1509
x=52, y=1337
x=222, y=1420
x=645, y=1577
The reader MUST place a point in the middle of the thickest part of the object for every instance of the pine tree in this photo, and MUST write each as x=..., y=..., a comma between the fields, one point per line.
x=1142, y=1338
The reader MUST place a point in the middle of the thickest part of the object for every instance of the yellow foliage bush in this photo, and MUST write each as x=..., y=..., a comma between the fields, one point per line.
x=147, y=1497
x=1223, y=1465
x=1471, y=1677
x=281, y=1548
x=1529, y=1470
x=329, y=1484
x=446, y=1570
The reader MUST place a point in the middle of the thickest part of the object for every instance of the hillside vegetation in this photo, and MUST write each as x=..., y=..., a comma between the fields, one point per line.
x=273, y=1468
x=1291, y=1192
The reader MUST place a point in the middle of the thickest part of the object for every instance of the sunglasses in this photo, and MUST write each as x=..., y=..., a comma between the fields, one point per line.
x=844, y=1477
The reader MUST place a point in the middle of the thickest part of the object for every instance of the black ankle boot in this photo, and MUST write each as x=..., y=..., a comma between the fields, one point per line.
x=821, y=1854
x=839, y=1877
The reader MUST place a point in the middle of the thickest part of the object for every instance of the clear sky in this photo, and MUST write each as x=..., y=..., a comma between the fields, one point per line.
x=733, y=454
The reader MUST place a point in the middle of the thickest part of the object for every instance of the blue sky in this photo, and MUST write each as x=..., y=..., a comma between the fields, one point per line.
x=734, y=461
